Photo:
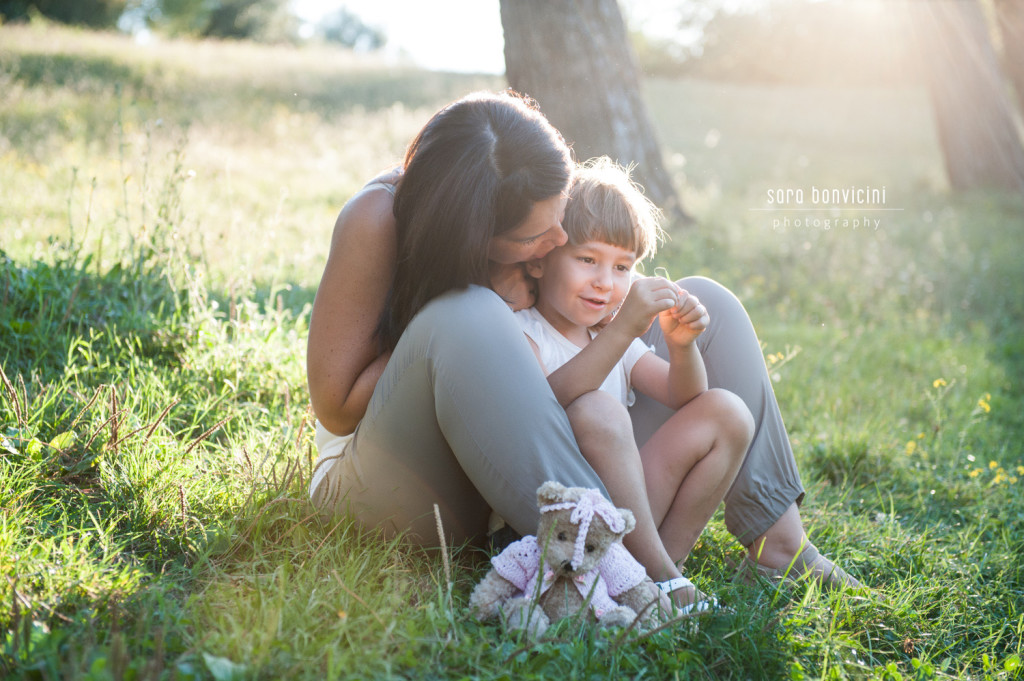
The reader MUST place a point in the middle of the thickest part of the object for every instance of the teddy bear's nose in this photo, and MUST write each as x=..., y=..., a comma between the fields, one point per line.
x=567, y=565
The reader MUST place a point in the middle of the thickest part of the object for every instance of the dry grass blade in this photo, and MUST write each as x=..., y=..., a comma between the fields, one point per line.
x=159, y=419
x=115, y=425
x=15, y=402
x=444, y=555
x=358, y=598
x=205, y=435
x=92, y=401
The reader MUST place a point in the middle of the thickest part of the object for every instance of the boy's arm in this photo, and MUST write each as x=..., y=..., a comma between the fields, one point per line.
x=647, y=298
x=683, y=377
x=587, y=370
x=673, y=383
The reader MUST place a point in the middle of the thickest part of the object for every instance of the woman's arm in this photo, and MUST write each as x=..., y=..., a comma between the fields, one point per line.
x=342, y=360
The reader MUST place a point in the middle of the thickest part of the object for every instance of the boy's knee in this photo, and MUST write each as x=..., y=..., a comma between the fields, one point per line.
x=735, y=419
x=598, y=414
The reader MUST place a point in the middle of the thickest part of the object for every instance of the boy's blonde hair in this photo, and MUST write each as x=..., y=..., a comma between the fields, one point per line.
x=606, y=205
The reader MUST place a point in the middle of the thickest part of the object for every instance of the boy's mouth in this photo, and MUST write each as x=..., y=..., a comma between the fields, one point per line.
x=595, y=302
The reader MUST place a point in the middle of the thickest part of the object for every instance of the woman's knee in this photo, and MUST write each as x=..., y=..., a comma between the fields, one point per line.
x=468, y=330
x=725, y=309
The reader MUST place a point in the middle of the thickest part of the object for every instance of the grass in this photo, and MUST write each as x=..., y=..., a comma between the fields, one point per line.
x=163, y=225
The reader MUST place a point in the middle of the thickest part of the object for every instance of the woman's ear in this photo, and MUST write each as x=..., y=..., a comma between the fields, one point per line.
x=535, y=268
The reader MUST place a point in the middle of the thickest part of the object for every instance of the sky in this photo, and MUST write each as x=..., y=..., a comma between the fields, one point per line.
x=452, y=35
x=466, y=35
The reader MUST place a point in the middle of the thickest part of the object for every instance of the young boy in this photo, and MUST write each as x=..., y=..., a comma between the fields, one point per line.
x=690, y=462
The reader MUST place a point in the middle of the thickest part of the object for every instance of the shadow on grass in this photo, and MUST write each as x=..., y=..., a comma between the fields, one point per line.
x=79, y=72
x=45, y=307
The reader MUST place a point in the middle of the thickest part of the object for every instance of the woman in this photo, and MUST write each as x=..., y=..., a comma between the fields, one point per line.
x=412, y=340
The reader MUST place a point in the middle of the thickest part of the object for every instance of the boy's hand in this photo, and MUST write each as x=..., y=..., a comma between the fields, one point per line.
x=683, y=323
x=514, y=285
x=647, y=297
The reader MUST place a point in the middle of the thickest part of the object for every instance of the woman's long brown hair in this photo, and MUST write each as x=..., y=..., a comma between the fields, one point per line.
x=474, y=171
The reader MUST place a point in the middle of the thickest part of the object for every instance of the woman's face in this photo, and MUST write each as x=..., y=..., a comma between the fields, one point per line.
x=539, y=234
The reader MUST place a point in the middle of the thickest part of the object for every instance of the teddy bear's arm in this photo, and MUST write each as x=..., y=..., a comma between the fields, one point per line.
x=641, y=596
x=488, y=596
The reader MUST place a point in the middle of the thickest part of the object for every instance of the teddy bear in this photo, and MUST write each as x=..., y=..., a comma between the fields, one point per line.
x=576, y=560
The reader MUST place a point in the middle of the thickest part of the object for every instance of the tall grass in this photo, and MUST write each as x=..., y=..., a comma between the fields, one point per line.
x=163, y=225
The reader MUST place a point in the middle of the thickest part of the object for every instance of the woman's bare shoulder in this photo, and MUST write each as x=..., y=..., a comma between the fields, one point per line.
x=368, y=214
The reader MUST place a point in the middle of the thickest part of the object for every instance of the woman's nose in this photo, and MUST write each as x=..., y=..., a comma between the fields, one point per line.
x=555, y=238
x=560, y=237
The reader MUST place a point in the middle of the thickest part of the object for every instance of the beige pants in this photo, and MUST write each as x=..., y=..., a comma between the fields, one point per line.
x=769, y=482
x=464, y=418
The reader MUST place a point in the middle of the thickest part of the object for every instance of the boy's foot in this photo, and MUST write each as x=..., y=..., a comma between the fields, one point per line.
x=686, y=598
x=808, y=564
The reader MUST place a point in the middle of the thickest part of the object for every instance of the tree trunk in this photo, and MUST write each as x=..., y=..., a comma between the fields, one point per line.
x=574, y=58
x=980, y=142
x=1010, y=16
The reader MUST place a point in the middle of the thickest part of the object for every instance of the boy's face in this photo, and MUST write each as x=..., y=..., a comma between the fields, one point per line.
x=581, y=285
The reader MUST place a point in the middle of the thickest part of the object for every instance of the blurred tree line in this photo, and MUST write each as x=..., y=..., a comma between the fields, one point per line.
x=92, y=13
x=261, y=20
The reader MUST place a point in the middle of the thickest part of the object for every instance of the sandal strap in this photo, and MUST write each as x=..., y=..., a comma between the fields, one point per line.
x=670, y=585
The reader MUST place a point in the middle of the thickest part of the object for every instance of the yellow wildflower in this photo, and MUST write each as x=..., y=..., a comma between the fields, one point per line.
x=993, y=465
x=984, y=405
x=938, y=382
x=1013, y=480
x=911, y=447
x=1020, y=470
x=920, y=436
x=975, y=473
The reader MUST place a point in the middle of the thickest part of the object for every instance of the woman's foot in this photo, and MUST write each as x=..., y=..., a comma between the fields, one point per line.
x=808, y=564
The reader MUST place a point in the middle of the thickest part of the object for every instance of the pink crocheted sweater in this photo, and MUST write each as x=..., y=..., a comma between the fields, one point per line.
x=617, y=573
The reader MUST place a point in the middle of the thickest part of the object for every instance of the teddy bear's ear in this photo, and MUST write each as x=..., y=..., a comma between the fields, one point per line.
x=550, y=492
x=630, y=519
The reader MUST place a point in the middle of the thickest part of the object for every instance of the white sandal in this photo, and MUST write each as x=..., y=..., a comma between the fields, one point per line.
x=670, y=585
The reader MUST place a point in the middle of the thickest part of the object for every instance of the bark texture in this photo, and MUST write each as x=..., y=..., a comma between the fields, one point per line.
x=574, y=58
x=980, y=142
x=1010, y=16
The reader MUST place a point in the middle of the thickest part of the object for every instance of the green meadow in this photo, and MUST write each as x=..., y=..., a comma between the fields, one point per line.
x=165, y=213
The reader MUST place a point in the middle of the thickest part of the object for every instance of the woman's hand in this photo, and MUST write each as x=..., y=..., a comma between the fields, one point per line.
x=683, y=323
x=514, y=285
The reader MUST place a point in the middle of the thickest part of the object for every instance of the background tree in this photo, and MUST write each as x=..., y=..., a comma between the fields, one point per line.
x=574, y=58
x=1010, y=17
x=92, y=13
x=261, y=20
x=347, y=29
x=980, y=142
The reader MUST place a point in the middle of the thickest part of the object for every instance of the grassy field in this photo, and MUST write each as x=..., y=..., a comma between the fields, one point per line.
x=165, y=212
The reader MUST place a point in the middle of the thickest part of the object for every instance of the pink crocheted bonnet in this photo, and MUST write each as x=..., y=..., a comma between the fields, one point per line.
x=590, y=503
